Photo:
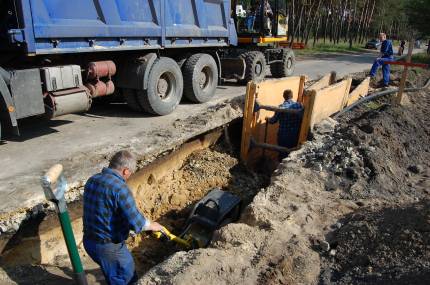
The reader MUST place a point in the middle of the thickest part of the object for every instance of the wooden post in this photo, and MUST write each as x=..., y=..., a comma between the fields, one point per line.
x=301, y=88
x=248, y=116
x=308, y=104
x=398, y=98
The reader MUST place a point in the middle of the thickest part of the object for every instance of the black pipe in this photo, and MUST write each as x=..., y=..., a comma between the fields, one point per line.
x=271, y=147
x=380, y=94
x=279, y=110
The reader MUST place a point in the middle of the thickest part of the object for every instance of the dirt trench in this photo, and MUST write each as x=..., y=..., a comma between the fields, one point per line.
x=165, y=190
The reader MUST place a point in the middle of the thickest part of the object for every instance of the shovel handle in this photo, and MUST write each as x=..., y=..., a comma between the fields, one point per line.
x=54, y=172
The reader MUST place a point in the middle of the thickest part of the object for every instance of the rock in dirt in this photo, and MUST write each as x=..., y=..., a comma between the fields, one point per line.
x=417, y=169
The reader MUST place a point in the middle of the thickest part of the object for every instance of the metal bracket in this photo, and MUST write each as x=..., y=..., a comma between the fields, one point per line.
x=16, y=36
x=10, y=106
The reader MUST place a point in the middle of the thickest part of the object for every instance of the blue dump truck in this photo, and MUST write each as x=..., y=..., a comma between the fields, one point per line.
x=58, y=56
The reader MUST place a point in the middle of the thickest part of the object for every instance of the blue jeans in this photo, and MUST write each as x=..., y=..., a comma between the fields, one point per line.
x=115, y=261
x=289, y=141
x=385, y=68
x=249, y=22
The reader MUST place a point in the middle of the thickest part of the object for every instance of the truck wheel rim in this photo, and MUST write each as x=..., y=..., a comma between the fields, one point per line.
x=258, y=68
x=289, y=63
x=166, y=85
x=205, y=78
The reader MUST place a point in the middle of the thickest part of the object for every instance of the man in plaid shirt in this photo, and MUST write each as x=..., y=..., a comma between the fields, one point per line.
x=110, y=213
x=289, y=123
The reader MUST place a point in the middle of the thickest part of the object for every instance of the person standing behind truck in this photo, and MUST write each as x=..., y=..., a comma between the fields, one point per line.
x=264, y=10
x=289, y=123
x=385, y=55
x=110, y=213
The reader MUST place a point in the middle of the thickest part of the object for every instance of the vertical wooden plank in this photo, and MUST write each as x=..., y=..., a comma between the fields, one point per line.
x=359, y=92
x=248, y=117
x=301, y=88
x=398, y=98
x=347, y=91
x=308, y=104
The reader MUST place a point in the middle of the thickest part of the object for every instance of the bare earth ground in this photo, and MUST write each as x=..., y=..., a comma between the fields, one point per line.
x=351, y=207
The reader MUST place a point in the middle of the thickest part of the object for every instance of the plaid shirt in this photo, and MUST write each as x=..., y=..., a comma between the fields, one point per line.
x=289, y=124
x=109, y=208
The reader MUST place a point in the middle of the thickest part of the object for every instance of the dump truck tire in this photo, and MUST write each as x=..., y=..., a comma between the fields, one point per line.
x=200, y=78
x=130, y=97
x=255, y=66
x=284, y=68
x=165, y=87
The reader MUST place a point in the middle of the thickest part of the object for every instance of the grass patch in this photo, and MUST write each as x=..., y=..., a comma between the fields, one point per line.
x=421, y=58
x=330, y=48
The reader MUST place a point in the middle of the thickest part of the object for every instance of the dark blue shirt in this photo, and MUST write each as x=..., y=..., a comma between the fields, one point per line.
x=387, y=49
x=110, y=211
x=289, y=123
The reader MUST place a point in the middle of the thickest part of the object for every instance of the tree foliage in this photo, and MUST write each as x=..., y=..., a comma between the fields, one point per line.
x=355, y=20
x=418, y=12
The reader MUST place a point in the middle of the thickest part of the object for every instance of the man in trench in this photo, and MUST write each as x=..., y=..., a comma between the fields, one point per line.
x=289, y=123
x=110, y=213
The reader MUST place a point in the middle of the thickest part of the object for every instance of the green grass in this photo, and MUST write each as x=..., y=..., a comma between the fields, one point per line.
x=421, y=58
x=330, y=48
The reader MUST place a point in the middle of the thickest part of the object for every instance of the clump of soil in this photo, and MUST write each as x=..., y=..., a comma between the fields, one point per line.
x=379, y=157
x=376, y=151
x=386, y=246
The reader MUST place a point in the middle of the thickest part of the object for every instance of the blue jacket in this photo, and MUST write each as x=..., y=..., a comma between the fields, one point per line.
x=387, y=49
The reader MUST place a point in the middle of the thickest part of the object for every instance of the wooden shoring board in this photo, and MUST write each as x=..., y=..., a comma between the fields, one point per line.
x=324, y=81
x=308, y=105
x=359, y=92
x=269, y=92
x=248, y=118
x=329, y=100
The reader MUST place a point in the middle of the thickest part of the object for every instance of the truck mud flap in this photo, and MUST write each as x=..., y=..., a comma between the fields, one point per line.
x=232, y=68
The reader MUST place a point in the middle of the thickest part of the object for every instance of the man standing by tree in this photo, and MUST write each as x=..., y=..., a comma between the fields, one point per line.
x=428, y=47
x=386, y=55
x=402, y=47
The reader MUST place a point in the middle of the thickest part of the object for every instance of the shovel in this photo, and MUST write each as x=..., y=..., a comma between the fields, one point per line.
x=54, y=185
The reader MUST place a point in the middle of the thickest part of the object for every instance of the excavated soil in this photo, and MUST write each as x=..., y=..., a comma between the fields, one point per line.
x=350, y=207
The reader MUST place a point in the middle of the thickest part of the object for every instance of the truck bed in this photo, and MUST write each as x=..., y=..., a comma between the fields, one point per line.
x=60, y=26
